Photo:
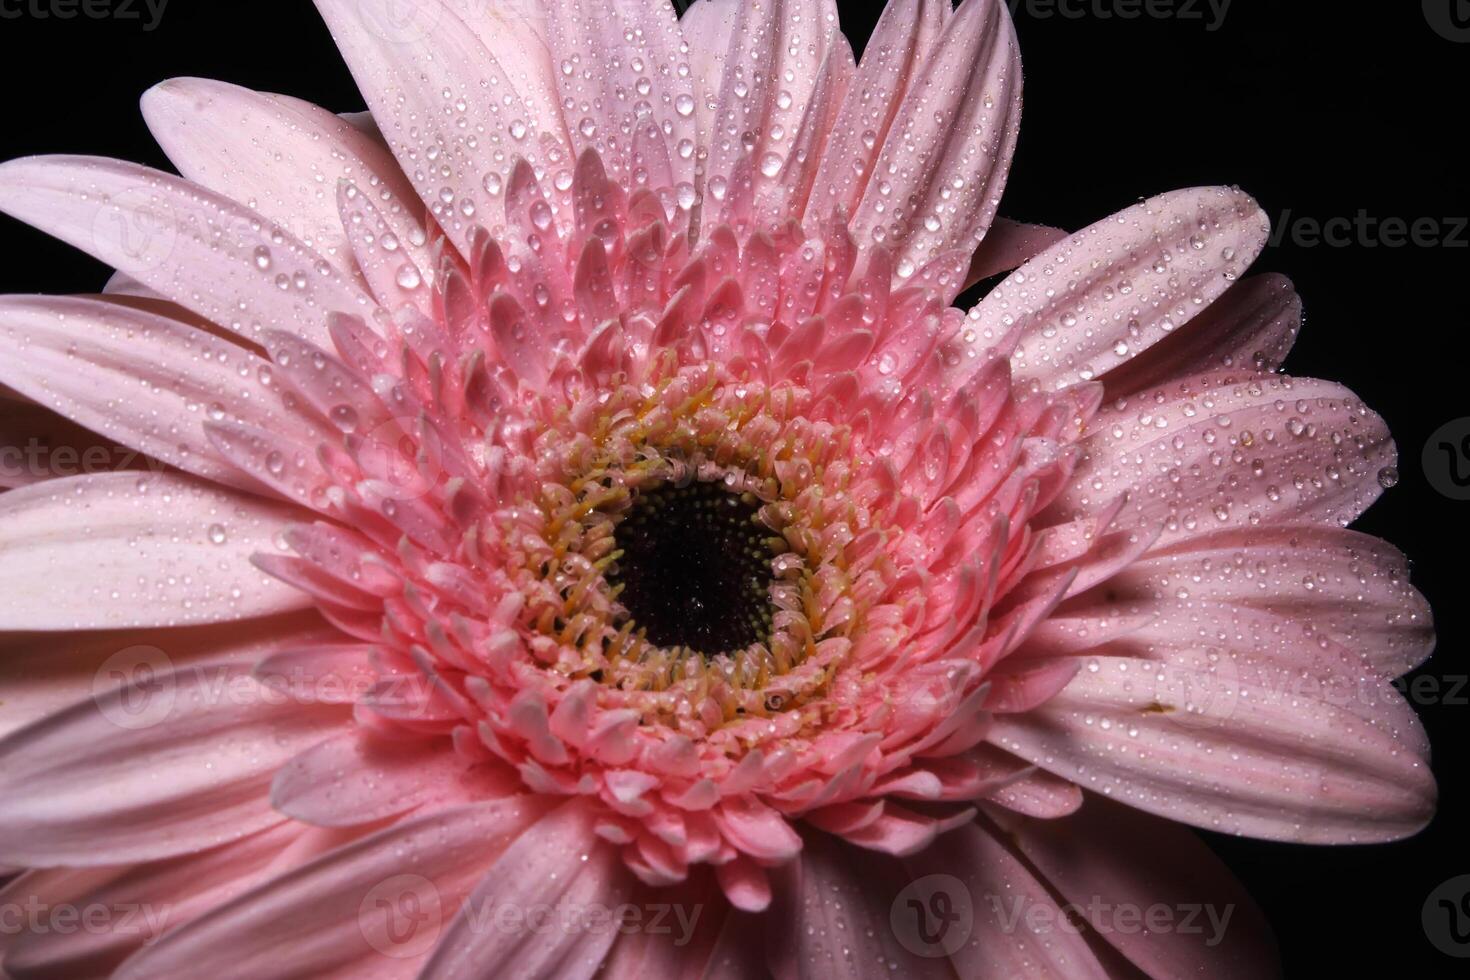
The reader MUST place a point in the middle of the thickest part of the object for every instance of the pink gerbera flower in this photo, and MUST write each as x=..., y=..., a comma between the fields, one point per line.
x=581, y=537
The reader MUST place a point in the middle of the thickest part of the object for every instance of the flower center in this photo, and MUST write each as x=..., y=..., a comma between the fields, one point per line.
x=695, y=568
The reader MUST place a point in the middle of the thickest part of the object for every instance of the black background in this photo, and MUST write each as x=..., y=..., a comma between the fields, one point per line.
x=1324, y=109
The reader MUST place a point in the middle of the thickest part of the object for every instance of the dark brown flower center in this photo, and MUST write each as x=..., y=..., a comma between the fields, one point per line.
x=695, y=569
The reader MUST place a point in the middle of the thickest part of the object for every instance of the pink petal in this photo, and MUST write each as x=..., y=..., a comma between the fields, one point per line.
x=1351, y=586
x=1101, y=296
x=283, y=158
x=150, y=770
x=202, y=250
x=1204, y=748
x=951, y=152
x=1107, y=860
x=1017, y=928
x=356, y=778
x=331, y=917
x=831, y=917
x=707, y=27
x=38, y=444
x=1251, y=327
x=147, y=900
x=136, y=550
x=690, y=919
x=776, y=54
x=1308, y=451
x=405, y=67
x=631, y=82
x=140, y=378
x=556, y=862
x=1009, y=244
x=42, y=673
x=906, y=32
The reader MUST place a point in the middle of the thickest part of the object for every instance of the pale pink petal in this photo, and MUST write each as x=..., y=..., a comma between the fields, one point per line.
x=1018, y=929
x=776, y=55
x=1103, y=295
x=356, y=778
x=1221, y=451
x=557, y=862
x=675, y=935
x=707, y=27
x=1250, y=327
x=283, y=158
x=142, y=902
x=1204, y=748
x=42, y=673
x=373, y=908
x=163, y=766
x=425, y=78
x=1009, y=244
x=894, y=55
x=1108, y=860
x=1352, y=586
x=136, y=550
x=943, y=165
x=626, y=88
x=147, y=381
x=200, y=249
x=831, y=917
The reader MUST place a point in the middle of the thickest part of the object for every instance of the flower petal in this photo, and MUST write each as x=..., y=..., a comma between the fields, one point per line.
x=1352, y=586
x=145, y=380
x=1205, y=748
x=283, y=158
x=1018, y=929
x=1217, y=451
x=371, y=908
x=200, y=249
x=558, y=861
x=43, y=673
x=831, y=916
x=1101, y=296
x=1111, y=863
x=950, y=154
x=1251, y=327
x=149, y=770
x=136, y=550
x=356, y=778
x=425, y=77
